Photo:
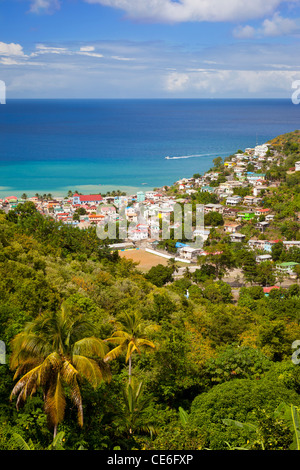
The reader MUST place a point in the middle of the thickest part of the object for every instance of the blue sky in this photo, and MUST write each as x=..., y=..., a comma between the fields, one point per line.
x=149, y=48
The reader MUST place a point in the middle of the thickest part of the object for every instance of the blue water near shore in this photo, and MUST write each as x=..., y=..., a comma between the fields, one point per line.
x=50, y=146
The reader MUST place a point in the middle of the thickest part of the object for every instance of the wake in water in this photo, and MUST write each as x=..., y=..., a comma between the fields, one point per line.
x=196, y=155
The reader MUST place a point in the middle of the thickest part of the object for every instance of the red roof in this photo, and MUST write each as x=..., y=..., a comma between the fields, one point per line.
x=89, y=198
x=268, y=289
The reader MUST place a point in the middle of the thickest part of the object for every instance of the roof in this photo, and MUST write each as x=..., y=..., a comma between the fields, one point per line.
x=287, y=263
x=268, y=289
x=89, y=198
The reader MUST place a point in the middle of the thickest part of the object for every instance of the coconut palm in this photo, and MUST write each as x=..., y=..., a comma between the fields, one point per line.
x=171, y=263
x=53, y=353
x=129, y=337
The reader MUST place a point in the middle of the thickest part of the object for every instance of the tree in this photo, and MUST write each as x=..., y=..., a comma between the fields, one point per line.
x=172, y=265
x=243, y=400
x=53, y=353
x=265, y=274
x=159, y=275
x=129, y=337
x=136, y=416
x=217, y=162
x=213, y=219
x=249, y=267
x=277, y=251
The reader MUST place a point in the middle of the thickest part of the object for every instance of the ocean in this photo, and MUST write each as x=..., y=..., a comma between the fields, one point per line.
x=52, y=146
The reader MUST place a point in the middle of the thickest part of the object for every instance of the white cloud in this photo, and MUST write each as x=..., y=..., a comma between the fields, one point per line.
x=231, y=82
x=87, y=49
x=42, y=49
x=177, y=81
x=89, y=54
x=194, y=10
x=11, y=49
x=125, y=59
x=244, y=32
x=279, y=26
x=276, y=26
x=44, y=6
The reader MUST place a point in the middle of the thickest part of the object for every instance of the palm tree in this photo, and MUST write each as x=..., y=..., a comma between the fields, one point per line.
x=171, y=263
x=136, y=416
x=53, y=353
x=129, y=337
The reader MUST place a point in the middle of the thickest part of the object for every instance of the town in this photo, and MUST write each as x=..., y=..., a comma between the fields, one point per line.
x=233, y=198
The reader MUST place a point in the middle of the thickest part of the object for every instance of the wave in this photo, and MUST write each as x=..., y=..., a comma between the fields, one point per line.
x=196, y=155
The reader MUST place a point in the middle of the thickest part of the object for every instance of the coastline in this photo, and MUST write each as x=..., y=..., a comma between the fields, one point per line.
x=85, y=189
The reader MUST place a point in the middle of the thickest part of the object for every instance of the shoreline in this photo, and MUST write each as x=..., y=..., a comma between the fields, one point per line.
x=85, y=189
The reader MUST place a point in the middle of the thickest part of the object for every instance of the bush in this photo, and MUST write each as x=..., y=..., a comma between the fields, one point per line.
x=243, y=400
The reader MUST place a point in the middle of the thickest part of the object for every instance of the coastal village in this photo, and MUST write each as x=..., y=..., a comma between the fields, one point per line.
x=237, y=186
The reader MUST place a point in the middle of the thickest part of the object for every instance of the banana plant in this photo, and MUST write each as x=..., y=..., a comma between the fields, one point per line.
x=250, y=428
x=290, y=413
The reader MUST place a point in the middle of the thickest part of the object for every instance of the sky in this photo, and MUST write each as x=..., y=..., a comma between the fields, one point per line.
x=149, y=48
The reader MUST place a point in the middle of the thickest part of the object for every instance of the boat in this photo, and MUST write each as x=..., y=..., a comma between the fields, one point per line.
x=167, y=158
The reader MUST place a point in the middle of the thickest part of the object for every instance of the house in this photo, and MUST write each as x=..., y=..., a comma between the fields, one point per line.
x=254, y=177
x=237, y=237
x=230, y=212
x=137, y=234
x=201, y=234
x=90, y=199
x=11, y=199
x=140, y=196
x=189, y=253
x=290, y=243
x=231, y=227
x=107, y=210
x=286, y=267
x=207, y=189
x=249, y=200
x=258, y=189
x=297, y=166
x=267, y=290
x=96, y=218
x=261, y=226
x=262, y=258
x=213, y=208
x=262, y=211
x=122, y=246
x=246, y=216
x=261, y=150
x=230, y=164
x=233, y=200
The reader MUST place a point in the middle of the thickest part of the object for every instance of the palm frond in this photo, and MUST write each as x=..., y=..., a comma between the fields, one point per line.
x=114, y=353
x=90, y=347
x=26, y=386
x=77, y=400
x=69, y=372
x=130, y=349
x=90, y=370
x=55, y=402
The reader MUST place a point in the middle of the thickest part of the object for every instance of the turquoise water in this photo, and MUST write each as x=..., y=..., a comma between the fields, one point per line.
x=51, y=146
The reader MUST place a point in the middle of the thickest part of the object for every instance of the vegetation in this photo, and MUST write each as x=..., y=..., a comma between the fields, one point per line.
x=100, y=356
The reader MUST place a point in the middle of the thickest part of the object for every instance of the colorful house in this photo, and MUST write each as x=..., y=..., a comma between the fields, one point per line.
x=90, y=199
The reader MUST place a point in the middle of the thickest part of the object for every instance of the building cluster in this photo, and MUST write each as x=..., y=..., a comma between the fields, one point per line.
x=144, y=212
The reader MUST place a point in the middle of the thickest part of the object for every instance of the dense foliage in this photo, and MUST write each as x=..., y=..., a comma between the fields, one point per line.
x=131, y=351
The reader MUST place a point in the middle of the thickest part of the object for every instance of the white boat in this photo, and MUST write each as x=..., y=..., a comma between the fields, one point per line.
x=167, y=158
